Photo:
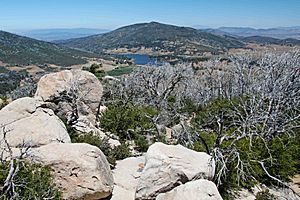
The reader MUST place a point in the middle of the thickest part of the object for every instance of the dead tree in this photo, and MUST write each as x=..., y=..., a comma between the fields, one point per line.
x=154, y=86
x=15, y=161
x=264, y=98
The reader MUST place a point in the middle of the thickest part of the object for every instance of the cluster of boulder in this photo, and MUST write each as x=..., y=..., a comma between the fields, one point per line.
x=166, y=172
x=81, y=171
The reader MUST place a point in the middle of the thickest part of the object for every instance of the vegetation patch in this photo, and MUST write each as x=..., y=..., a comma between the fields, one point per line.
x=97, y=70
x=245, y=116
x=10, y=84
x=18, y=50
x=129, y=122
x=112, y=153
x=120, y=71
x=31, y=181
x=277, y=154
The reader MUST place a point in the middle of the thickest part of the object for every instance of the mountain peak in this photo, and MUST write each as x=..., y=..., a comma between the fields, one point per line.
x=155, y=35
x=154, y=22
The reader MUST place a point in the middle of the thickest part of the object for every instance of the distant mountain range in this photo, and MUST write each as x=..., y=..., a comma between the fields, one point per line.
x=60, y=34
x=269, y=40
x=279, y=33
x=156, y=36
x=160, y=38
x=19, y=50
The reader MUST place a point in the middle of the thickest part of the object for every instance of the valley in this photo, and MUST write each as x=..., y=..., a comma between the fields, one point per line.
x=127, y=47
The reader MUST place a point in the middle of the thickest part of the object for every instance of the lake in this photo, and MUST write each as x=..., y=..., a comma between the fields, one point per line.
x=142, y=59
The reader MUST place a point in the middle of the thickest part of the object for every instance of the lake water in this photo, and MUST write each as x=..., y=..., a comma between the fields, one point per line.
x=142, y=59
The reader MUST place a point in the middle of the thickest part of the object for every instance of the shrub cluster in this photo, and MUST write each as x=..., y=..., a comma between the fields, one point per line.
x=280, y=154
x=96, y=70
x=32, y=181
x=129, y=122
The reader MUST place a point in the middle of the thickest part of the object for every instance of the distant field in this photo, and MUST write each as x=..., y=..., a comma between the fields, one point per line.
x=120, y=71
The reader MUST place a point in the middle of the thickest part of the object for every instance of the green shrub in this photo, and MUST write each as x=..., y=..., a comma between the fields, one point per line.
x=188, y=106
x=120, y=118
x=129, y=122
x=112, y=154
x=171, y=99
x=120, y=71
x=283, y=149
x=141, y=142
x=100, y=74
x=209, y=140
x=120, y=152
x=32, y=181
x=96, y=70
x=95, y=67
x=283, y=165
x=264, y=195
x=3, y=102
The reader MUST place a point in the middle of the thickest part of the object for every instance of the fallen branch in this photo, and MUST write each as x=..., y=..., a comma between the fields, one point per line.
x=276, y=179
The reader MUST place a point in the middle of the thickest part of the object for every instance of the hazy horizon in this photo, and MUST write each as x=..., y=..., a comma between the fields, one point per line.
x=95, y=28
x=103, y=14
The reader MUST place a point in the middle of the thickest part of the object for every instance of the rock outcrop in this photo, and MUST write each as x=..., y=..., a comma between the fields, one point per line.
x=25, y=122
x=81, y=171
x=194, y=190
x=168, y=166
x=126, y=176
x=74, y=96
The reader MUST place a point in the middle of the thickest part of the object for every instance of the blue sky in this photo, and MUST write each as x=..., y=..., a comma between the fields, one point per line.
x=110, y=14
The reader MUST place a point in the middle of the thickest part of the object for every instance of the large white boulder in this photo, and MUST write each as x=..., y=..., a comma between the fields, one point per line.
x=168, y=166
x=80, y=171
x=194, y=190
x=126, y=176
x=74, y=95
x=24, y=122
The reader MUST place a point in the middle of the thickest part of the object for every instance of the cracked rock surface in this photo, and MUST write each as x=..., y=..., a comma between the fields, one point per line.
x=81, y=171
x=26, y=123
x=168, y=166
x=74, y=95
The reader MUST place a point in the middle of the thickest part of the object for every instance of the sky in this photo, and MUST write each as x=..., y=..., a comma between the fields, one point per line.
x=111, y=14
